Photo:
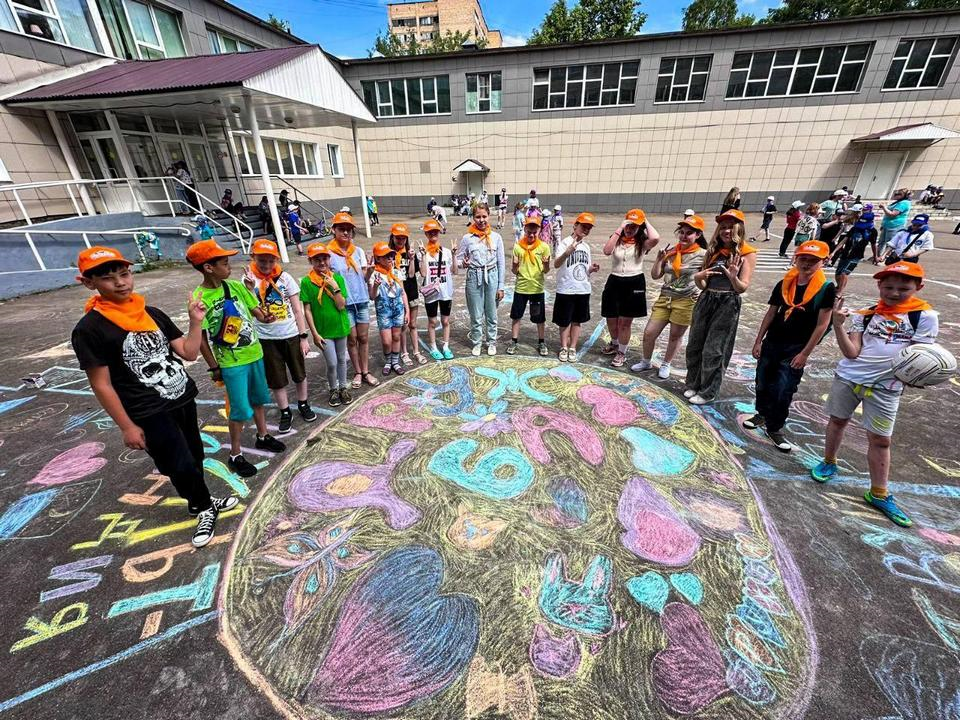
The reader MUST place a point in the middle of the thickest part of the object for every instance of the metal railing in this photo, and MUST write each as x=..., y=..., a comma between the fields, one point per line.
x=85, y=236
x=325, y=214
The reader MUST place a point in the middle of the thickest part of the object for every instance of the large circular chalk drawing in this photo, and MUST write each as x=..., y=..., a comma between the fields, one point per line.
x=517, y=538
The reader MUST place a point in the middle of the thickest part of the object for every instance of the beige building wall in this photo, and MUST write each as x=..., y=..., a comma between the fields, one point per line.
x=454, y=16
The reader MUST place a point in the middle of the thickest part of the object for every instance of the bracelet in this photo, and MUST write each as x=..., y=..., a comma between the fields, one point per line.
x=213, y=369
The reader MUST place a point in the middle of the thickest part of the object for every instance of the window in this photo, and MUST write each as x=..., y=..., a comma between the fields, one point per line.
x=430, y=20
x=407, y=96
x=336, y=166
x=683, y=79
x=483, y=92
x=920, y=63
x=63, y=21
x=404, y=22
x=284, y=157
x=143, y=154
x=155, y=30
x=428, y=35
x=585, y=86
x=797, y=71
x=4, y=175
x=221, y=43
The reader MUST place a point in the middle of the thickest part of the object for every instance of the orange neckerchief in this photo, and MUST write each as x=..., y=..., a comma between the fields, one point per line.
x=528, y=247
x=387, y=274
x=347, y=254
x=319, y=280
x=266, y=281
x=890, y=312
x=130, y=316
x=482, y=234
x=433, y=248
x=677, y=252
x=725, y=252
x=788, y=289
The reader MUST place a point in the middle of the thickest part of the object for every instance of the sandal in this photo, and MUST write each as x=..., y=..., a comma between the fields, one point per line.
x=405, y=358
x=386, y=370
x=618, y=360
x=436, y=354
x=370, y=379
x=609, y=349
x=418, y=356
x=357, y=381
x=398, y=369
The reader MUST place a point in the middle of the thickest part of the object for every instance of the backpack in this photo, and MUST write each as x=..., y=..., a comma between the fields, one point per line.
x=913, y=316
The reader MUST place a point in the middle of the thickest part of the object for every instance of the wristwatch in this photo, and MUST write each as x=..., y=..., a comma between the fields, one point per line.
x=304, y=336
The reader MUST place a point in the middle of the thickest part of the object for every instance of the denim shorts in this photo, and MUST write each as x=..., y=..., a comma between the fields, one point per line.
x=389, y=312
x=359, y=313
x=246, y=389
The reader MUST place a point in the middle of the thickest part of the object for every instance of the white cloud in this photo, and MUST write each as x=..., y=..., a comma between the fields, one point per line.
x=514, y=40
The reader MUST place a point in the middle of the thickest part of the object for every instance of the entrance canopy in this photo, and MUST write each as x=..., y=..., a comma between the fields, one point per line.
x=921, y=133
x=468, y=166
x=288, y=87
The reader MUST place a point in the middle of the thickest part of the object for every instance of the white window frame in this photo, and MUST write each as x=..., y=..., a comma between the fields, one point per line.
x=672, y=75
x=793, y=72
x=220, y=35
x=333, y=151
x=913, y=41
x=98, y=31
x=388, y=103
x=489, y=75
x=243, y=146
x=156, y=28
x=49, y=14
x=583, y=90
x=4, y=173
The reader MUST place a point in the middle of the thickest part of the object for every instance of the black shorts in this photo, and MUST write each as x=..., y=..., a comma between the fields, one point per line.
x=444, y=306
x=767, y=219
x=538, y=310
x=278, y=357
x=411, y=288
x=624, y=296
x=571, y=309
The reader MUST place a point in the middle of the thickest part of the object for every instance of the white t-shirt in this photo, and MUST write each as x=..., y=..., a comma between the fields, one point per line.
x=573, y=277
x=533, y=202
x=439, y=268
x=903, y=238
x=285, y=325
x=357, y=291
x=625, y=260
x=882, y=340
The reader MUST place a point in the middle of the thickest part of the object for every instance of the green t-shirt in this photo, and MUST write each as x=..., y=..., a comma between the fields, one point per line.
x=530, y=273
x=330, y=322
x=248, y=348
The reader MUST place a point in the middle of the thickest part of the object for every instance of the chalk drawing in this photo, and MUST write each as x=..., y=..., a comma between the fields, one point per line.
x=78, y=571
x=63, y=621
x=74, y=464
x=552, y=530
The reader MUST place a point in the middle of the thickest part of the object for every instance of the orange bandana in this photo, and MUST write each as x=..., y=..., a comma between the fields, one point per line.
x=347, y=254
x=266, y=281
x=725, y=252
x=528, y=247
x=320, y=281
x=482, y=234
x=890, y=312
x=677, y=252
x=131, y=316
x=788, y=289
x=388, y=276
x=433, y=248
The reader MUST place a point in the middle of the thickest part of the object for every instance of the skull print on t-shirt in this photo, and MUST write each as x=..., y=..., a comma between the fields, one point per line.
x=147, y=356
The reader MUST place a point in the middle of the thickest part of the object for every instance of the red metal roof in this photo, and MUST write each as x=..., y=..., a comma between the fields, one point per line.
x=141, y=77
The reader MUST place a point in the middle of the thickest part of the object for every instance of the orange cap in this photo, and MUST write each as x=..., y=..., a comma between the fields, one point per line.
x=205, y=251
x=400, y=229
x=432, y=225
x=910, y=269
x=98, y=255
x=533, y=220
x=636, y=216
x=382, y=249
x=317, y=248
x=735, y=215
x=816, y=248
x=264, y=246
x=586, y=218
x=343, y=218
x=694, y=221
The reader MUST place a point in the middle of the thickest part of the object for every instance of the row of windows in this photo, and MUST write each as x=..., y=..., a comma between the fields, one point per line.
x=917, y=64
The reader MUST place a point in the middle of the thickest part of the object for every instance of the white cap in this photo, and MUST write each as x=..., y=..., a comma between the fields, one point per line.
x=797, y=203
x=291, y=206
x=557, y=207
x=857, y=208
x=345, y=208
x=688, y=212
x=770, y=197
x=839, y=192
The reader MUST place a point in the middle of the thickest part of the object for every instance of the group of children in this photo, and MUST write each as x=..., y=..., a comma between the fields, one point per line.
x=255, y=331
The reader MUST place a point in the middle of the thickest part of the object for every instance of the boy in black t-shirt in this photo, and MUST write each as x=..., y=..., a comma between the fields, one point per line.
x=798, y=317
x=129, y=352
x=768, y=210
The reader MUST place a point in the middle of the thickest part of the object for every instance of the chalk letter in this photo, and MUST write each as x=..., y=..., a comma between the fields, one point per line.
x=200, y=592
x=57, y=626
x=76, y=571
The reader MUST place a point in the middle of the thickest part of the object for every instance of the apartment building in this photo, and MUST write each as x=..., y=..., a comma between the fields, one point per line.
x=423, y=21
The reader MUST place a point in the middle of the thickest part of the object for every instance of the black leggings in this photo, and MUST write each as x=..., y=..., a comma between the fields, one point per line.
x=788, y=234
x=174, y=444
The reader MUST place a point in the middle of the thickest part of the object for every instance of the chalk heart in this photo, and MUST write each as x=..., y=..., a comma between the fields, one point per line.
x=396, y=640
x=71, y=465
x=689, y=673
x=650, y=590
x=655, y=531
x=609, y=407
x=688, y=585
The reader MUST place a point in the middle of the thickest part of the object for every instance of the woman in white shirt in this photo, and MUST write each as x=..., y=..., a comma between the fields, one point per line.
x=624, y=295
x=481, y=253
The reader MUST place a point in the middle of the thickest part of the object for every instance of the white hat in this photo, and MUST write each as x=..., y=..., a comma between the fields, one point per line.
x=345, y=208
x=291, y=206
x=838, y=192
x=557, y=207
x=856, y=208
x=797, y=204
x=770, y=197
x=688, y=212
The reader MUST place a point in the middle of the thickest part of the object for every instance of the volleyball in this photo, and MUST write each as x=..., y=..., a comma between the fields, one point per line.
x=924, y=364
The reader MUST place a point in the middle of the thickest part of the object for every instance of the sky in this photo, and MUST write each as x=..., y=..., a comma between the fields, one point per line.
x=348, y=28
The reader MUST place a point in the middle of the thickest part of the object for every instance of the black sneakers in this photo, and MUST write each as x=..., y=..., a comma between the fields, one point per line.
x=270, y=444
x=241, y=467
x=335, y=399
x=781, y=443
x=306, y=412
x=206, y=522
x=346, y=396
x=220, y=503
x=752, y=423
x=286, y=420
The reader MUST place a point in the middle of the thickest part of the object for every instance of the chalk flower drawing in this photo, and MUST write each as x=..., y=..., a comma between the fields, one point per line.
x=536, y=543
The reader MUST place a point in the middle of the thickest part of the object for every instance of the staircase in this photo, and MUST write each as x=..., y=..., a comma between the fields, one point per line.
x=251, y=216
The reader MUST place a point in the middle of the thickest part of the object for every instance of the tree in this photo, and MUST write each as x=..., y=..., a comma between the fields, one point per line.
x=389, y=45
x=279, y=24
x=714, y=15
x=816, y=10
x=589, y=20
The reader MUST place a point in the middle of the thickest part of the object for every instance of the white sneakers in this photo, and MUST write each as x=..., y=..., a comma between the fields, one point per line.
x=476, y=350
x=689, y=393
x=491, y=350
x=697, y=400
x=641, y=366
x=664, y=372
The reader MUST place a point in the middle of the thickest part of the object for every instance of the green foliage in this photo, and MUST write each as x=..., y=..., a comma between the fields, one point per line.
x=589, y=20
x=714, y=15
x=815, y=10
x=279, y=24
x=390, y=45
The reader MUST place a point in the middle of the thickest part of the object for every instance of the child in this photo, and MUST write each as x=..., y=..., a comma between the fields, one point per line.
x=437, y=269
x=519, y=215
x=877, y=335
x=793, y=216
x=324, y=295
x=236, y=357
x=228, y=205
x=557, y=227
x=911, y=242
x=372, y=210
x=502, y=208
x=531, y=263
x=853, y=242
x=295, y=226
x=129, y=351
x=405, y=269
x=571, y=307
x=797, y=318
x=808, y=227
x=284, y=338
x=678, y=296
x=391, y=304
x=768, y=210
